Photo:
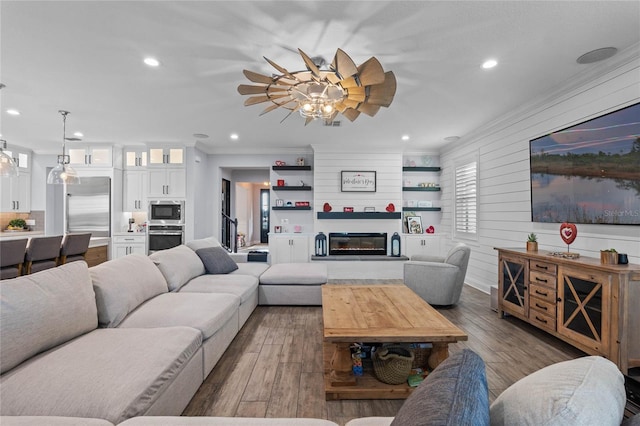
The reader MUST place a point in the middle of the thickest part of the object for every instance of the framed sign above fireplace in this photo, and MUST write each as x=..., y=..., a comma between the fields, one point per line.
x=357, y=181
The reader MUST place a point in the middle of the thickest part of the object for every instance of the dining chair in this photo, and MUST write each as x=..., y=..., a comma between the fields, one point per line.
x=74, y=247
x=42, y=253
x=12, y=257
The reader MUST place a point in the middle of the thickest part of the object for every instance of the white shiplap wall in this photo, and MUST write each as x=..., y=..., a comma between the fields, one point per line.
x=504, y=189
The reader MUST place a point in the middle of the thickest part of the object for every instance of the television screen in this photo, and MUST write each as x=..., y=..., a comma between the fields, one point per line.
x=590, y=172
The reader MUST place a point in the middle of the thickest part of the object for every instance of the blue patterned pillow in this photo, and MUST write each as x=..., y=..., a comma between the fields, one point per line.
x=455, y=393
x=216, y=260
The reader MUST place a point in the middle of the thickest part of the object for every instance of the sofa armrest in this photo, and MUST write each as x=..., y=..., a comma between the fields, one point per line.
x=427, y=258
x=239, y=257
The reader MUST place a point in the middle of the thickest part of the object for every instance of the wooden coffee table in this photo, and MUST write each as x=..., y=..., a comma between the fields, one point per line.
x=377, y=313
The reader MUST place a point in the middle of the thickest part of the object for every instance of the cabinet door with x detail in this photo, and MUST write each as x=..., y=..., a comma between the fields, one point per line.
x=512, y=286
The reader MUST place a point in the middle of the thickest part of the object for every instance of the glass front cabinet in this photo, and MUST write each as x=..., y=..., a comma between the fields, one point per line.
x=512, y=287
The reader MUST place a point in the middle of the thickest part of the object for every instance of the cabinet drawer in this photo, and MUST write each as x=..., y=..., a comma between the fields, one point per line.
x=542, y=306
x=541, y=292
x=544, y=267
x=129, y=239
x=541, y=320
x=542, y=279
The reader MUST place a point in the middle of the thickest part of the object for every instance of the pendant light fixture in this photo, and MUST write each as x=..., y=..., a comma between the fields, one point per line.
x=8, y=166
x=63, y=173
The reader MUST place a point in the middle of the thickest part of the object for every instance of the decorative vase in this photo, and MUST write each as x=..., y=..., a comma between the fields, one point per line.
x=532, y=246
x=609, y=257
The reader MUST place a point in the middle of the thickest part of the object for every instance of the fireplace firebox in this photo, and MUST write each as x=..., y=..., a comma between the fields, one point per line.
x=357, y=243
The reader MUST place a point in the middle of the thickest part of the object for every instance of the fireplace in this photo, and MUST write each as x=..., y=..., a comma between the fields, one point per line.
x=357, y=243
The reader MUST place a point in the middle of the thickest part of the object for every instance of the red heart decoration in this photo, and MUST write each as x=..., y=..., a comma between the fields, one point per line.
x=326, y=207
x=568, y=232
x=431, y=230
x=391, y=208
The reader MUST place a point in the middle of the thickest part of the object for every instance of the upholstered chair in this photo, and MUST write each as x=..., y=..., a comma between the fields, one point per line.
x=42, y=253
x=74, y=247
x=438, y=280
x=12, y=257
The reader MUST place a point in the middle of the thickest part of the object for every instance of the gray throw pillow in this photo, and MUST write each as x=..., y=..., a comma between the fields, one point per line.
x=455, y=393
x=216, y=260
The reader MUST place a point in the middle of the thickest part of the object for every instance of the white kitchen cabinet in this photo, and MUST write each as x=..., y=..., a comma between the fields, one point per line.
x=135, y=191
x=425, y=244
x=135, y=157
x=289, y=248
x=16, y=193
x=172, y=156
x=167, y=183
x=122, y=245
x=90, y=156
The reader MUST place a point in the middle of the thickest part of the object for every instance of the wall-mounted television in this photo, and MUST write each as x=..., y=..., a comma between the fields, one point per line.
x=589, y=172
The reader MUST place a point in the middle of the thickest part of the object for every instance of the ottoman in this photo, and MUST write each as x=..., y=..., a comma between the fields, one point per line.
x=292, y=284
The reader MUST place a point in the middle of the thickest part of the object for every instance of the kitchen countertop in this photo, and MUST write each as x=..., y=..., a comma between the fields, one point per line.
x=16, y=235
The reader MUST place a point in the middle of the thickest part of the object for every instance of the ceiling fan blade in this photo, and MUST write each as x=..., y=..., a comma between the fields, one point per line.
x=308, y=120
x=343, y=64
x=333, y=78
x=356, y=94
x=257, y=78
x=264, y=98
x=333, y=117
x=349, y=82
x=371, y=72
x=340, y=106
x=309, y=63
x=351, y=114
x=269, y=109
x=350, y=103
x=246, y=89
x=368, y=109
x=382, y=94
x=290, y=112
x=281, y=69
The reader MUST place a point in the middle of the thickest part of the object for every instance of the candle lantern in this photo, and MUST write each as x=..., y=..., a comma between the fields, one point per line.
x=321, y=244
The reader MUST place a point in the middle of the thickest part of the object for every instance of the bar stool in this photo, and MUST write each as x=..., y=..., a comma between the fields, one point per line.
x=42, y=253
x=74, y=247
x=12, y=257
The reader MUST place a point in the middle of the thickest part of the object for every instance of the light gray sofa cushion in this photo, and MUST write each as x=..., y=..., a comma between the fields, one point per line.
x=43, y=310
x=178, y=265
x=205, y=312
x=203, y=243
x=583, y=391
x=51, y=421
x=224, y=421
x=243, y=286
x=295, y=273
x=216, y=260
x=255, y=269
x=111, y=374
x=122, y=284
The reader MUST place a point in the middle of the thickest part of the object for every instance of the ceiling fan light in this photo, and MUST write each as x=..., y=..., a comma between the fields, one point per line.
x=8, y=167
x=307, y=107
x=327, y=108
x=63, y=173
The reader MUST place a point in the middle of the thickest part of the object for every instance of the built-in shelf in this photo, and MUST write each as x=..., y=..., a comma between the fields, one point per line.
x=291, y=167
x=421, y=209
x=421, y=188
x=359, y=215
x=291, y=208
x=421, y=169
x=291, y=188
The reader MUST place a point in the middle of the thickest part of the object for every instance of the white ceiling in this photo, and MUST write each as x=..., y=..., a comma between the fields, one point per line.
x=86, y=57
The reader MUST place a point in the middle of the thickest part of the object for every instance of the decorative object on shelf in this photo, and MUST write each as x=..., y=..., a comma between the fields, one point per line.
x=430, y=230
x=302, y=204
x=357, y=181
x=370, y=209
x=300, y=161
x=8, y=167
x=425, y=203
x=321, y=244
x=568, y=233
x=280, y=182
x=277, y=229
x=412, y=203
x=414, y=224
x=326, y=207
x=280, y=163
x=609, y=256
x=17, y=224
x=564, y=254
x=323, y=90
x=279, y=202
x=288, y=203
x=395, y=244
x=409, y=163
x=390, y=208
x=406, y=182
x=623, y=259
x=63, y=173
x=347, y=209
x=532, y=242
x=302, y=183
x=297, y=228
x=427, y=160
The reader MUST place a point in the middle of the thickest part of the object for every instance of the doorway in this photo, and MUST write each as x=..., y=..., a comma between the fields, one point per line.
x=225, y=232
x=264, y=215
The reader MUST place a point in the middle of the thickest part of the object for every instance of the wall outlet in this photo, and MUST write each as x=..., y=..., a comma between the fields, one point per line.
x=30, y=222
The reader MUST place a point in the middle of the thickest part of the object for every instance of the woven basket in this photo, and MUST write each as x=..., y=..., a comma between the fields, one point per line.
x=420, y=357
x=392, y=364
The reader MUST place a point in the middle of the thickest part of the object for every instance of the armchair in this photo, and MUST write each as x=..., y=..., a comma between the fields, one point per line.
x=438, y=280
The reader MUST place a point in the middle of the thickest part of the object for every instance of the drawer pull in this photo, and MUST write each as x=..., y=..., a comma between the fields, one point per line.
x=541, y=320
x=542, y=267
x=540, y=306
x=541, y=280
x=541, y=293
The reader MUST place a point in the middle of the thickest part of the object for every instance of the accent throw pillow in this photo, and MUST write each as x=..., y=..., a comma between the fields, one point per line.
x=216, y=260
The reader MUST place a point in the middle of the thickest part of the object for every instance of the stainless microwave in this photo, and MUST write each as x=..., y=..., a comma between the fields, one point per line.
x=166, y=212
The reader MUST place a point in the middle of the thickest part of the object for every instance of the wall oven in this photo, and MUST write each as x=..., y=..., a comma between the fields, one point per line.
x=162, y=237
x=166, y=212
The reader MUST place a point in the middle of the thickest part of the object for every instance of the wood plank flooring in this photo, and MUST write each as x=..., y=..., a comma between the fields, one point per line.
x=273, y=368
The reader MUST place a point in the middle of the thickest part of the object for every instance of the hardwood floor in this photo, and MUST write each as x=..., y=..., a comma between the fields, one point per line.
x=273, y=368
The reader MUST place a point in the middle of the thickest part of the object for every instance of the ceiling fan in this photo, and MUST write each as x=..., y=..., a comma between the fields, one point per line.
x=322, y=93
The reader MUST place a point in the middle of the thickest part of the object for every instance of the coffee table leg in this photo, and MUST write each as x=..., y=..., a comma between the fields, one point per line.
x=439, y=353
x=341, y=373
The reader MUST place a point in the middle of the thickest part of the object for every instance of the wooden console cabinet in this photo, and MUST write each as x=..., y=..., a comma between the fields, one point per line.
x=590, y=305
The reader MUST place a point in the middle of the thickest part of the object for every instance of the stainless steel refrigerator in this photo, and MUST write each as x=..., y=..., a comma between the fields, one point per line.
x=89, y=206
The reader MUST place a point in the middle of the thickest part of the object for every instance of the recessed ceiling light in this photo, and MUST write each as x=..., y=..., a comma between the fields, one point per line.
x=489, y=63
x=234, y=136
x=152, y=62
x=452, y=138
x=13, y=112
x=405, y=137
x=78, y=134
x=597, y=55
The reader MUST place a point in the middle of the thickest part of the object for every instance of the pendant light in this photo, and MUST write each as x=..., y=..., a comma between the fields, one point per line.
x=63, y=173
x=8, y=166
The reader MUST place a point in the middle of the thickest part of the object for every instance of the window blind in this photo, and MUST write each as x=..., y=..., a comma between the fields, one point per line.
x=466, y=214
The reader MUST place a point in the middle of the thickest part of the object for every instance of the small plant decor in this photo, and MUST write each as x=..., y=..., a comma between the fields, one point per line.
x=532, y=242
x=609, y=256
x=16, y=224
